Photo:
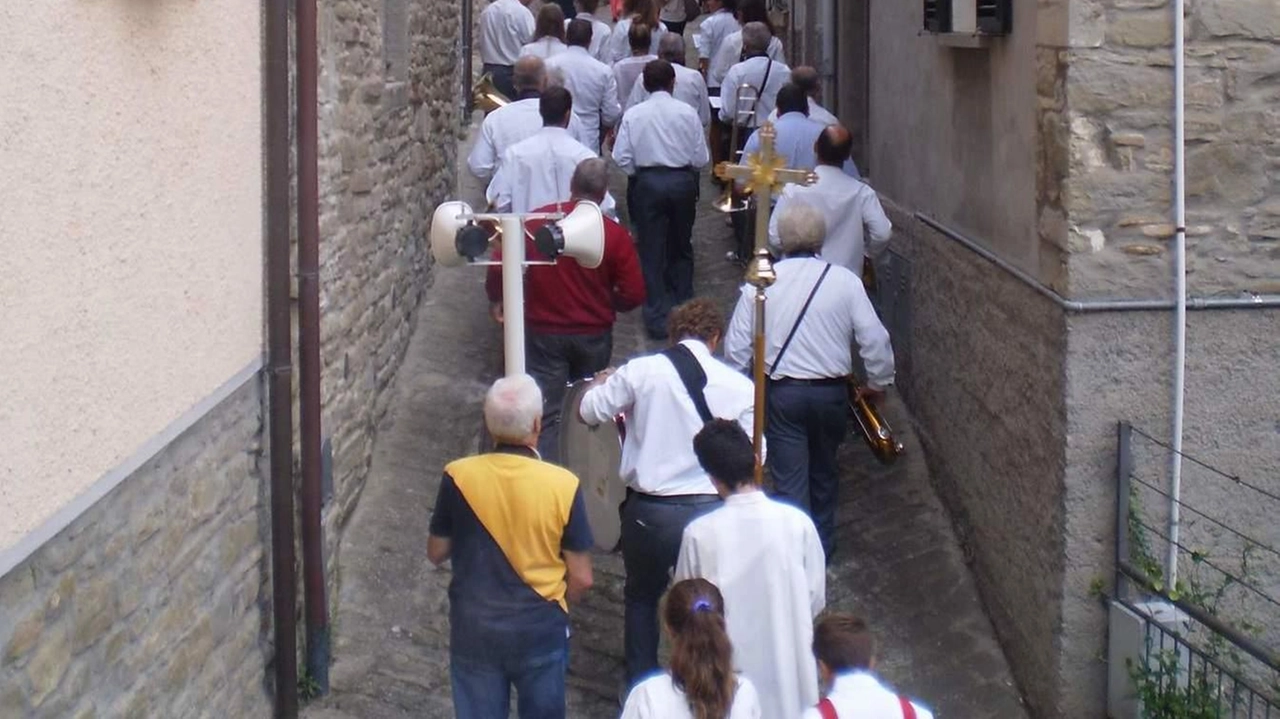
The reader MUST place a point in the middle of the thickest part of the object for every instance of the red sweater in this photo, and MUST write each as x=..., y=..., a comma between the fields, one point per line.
x=569, y=299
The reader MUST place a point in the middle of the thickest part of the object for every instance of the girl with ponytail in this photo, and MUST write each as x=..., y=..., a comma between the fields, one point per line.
x=701, y=683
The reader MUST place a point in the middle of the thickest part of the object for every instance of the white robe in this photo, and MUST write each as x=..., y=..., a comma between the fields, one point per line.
x=767, y=560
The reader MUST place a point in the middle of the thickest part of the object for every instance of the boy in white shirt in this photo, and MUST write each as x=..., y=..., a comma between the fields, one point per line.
x=846, y=654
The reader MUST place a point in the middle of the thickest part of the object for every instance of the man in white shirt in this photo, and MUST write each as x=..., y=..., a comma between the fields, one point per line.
x=713, y=30
x=759, y=71
x=767, y=560
x=811, y=82
x=517, y=121
x=857, y=226
x=628, y=70
x=667, y=488
x=816, y=312
x=505, y=26
x=673, y=16
x=591, y=82
x=846, y=654
x=662, y=148
x=538, y=171
x=690, y=88
x=600, y=30
x=732, y=49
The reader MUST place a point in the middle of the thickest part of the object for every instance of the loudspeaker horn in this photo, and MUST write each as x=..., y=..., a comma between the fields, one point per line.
x=579, y=234
x=455, y=239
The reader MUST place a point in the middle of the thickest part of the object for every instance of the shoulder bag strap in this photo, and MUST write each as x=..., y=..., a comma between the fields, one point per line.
x=763, y=84
x=827, y=709
x=796, y=326
x=693, y=377
x=908, y=711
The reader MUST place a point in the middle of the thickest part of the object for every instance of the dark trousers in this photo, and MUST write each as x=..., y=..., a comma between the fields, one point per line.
x=676, y=27
x=554, y=361
x=502, y=79
x=805, y=427
x=651, y=532
x=664, y=205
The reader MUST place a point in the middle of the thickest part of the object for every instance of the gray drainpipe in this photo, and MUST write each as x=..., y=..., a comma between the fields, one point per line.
x=1249, y=302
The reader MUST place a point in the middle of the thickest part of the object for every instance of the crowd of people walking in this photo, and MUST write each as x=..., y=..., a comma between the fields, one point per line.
x=732, y=572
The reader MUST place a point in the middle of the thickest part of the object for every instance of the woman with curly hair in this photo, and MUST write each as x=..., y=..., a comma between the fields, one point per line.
x=701, y=683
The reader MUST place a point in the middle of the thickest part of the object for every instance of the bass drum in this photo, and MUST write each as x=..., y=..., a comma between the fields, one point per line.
x=594, y=455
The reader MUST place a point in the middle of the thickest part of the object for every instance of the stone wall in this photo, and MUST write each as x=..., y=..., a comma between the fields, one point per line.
x=153, y=603
x=984, y=378
x=1119, y=95
x=389, y=119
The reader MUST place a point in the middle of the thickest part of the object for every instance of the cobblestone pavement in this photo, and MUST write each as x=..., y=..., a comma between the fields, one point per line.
x=899, y=563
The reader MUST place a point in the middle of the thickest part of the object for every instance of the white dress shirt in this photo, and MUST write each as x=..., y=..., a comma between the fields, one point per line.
x=537, y=171
x=618, y=46
x=817, y=113
x=600, y=32
x=544, y=48
x=505, y=26
x=658, y=697
x=767, y=560
x=859, y=695
x=690, y=89
x=657, y=455
x=752, y=72
x=672, y=11
x=594, y=88
x=713, y=31
x=856, y=223
x=506, y=126
x=839, y=314
x=627, y=72
x=660, y=132
x=730, y=54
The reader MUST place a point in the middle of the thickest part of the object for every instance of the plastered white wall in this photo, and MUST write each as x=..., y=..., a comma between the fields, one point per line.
x=130, y=231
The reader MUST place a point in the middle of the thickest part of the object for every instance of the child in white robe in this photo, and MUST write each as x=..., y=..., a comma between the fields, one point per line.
x=846, y=654
x=701, y=683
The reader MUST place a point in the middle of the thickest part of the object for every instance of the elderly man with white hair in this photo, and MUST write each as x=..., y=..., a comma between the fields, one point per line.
x=515, y=529
x=816, y=312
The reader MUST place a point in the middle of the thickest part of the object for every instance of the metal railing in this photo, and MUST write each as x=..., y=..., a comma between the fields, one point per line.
x=1210, y=659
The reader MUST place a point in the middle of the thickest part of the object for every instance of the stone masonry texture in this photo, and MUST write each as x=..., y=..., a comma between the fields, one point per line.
x=151, y=604
x=156, y=602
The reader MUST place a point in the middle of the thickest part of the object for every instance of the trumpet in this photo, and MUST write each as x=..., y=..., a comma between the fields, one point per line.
x=486, y=97
x=872, y=426
x=750, y=93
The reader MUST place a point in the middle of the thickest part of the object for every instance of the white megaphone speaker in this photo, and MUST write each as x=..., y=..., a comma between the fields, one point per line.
x=455, y=237
x=579, y=234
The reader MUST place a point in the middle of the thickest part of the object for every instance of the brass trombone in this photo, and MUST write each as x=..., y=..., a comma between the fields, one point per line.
x=871, y=423
x=486, y=97
x=750, y=93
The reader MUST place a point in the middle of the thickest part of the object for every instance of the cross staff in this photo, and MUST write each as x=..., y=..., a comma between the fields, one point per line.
x=764, y=173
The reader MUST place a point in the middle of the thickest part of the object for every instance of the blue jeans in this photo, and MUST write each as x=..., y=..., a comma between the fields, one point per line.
x=482, y=688
x=805, y=428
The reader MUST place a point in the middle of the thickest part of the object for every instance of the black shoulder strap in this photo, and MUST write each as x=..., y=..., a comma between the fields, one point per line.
x=693, y=377
x=796, y=326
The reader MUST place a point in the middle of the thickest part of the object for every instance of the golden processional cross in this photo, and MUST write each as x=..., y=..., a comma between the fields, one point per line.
x=764, y=173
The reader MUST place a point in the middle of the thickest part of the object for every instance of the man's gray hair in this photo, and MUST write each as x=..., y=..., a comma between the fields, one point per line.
x=801, y=228
x=512, y=408
x=671, y=48
x=529, y=73
x=590, y=179
x=755, y=39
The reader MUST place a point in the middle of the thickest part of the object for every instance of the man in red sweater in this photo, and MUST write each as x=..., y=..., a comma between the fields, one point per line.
x=569, y=310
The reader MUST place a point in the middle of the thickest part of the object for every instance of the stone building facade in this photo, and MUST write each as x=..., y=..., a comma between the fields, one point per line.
x=1051, y=149
x=154, y=599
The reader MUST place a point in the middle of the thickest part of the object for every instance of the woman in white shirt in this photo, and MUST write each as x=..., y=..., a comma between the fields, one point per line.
x=548, y=33
x=701, y=683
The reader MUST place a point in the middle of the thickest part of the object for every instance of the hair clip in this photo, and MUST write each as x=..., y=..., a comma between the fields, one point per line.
x=702, y=604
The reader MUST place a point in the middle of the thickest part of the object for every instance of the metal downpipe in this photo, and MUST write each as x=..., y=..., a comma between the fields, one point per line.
x=284, y=590
x=309, y=367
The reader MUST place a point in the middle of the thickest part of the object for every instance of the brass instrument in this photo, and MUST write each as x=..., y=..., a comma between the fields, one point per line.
x=873, y=427
x=725, y=203
x=486, y=97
